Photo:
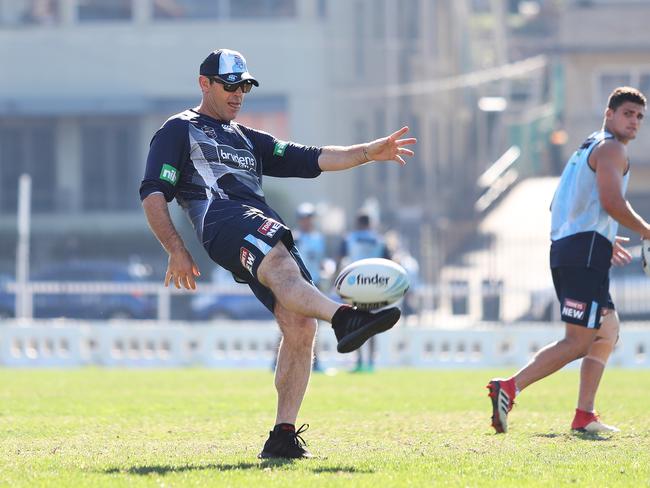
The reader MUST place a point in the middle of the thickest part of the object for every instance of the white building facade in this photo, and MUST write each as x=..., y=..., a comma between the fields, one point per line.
x=84, y=84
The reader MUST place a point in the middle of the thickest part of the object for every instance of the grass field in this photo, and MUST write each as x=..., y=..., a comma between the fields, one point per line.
x=95, y=427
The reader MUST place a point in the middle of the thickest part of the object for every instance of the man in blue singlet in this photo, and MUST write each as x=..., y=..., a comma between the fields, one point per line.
x=214, y=167
x=362, y=243
x=587, y=208
x=310, y=241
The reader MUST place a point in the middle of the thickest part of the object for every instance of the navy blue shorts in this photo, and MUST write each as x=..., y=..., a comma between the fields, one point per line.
x=583, y=294
x=244, y=239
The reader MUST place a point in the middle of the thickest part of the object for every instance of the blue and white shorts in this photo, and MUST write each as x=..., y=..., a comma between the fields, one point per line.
x=583, y=294
x=244, y=239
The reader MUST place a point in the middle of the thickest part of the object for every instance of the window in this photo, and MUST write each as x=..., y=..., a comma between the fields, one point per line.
x=413, y=182
x=379, y=19
x=27, y=147
x=363, y=186
x=359, y=40
x=404, y=63
x=262, y=8
x=100, y=10
x=408, y=14
x=434, y=158
x=187, y=9
x=644, y=84
x=111, y=170
x=610, y=81
x=381, y=170
x=29, y=12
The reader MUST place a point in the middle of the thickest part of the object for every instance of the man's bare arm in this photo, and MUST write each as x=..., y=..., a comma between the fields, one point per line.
x=180, y=267
x=611, y=162
x=389, y=148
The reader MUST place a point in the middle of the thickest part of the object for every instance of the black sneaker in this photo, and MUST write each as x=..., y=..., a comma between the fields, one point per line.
x=285, y=442
x=353, y=327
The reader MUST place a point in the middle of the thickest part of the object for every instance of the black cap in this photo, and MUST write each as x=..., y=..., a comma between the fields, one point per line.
x=227, y=65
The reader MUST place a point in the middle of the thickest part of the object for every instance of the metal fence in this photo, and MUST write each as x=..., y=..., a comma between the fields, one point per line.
x=463, y=298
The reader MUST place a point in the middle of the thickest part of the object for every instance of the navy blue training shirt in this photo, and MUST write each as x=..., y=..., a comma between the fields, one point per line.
x=204, y=162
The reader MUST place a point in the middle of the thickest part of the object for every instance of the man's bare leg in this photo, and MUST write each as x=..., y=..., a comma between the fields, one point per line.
x=591, y=371
x=553, y=357
x=291, y=378
x=279, y=272
x=294, y=362
x=593, y=364
x=548, y=360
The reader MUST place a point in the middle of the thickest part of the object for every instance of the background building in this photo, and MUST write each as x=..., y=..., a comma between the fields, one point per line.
x=86, y=83
x=602, y=45
x=494, y=90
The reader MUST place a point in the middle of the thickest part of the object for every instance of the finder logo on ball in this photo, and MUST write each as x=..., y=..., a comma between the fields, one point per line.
x=361, y=279
x=372, y=283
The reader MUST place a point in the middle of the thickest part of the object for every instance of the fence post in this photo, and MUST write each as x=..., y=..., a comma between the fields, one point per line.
x=23, y=293
x=164, y=303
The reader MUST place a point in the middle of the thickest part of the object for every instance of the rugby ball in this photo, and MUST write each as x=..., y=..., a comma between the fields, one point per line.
x=372, y=283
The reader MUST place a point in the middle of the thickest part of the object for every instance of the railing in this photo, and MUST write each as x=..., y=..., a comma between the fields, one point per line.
x=497, y=179
x=162, y=293
x=453, y=298
x=459, y=298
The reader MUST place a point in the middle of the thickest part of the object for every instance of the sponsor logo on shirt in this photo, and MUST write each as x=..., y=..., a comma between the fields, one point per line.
x=247, y=259
x=209, y=131
x=169, y=174
x=574, y=308
x=269, y=227
x=280, y=147
x=239, y=158
x=228, y=128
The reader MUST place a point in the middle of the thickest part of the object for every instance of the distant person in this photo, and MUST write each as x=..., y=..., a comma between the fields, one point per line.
x=213, y=167
x=362, y=243
x=310, y=241
x=587, y=207
x=401, y=255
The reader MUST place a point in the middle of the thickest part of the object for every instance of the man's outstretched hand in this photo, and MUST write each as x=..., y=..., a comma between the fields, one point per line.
x=391, y=148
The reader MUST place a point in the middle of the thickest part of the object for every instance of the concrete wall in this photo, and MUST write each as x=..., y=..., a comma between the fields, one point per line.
x=252, y=345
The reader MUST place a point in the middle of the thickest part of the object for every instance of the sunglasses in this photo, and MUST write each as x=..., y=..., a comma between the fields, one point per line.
x=245, y=86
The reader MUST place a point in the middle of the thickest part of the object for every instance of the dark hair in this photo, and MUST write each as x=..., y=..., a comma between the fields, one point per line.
x=363, y=220
x=624, y=94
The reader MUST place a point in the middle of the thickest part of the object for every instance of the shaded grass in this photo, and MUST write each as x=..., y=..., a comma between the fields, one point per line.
x=196, y=427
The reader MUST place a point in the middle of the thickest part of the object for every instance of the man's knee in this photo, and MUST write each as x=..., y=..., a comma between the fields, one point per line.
x=579, y=340
x=296, y=328
x=605, y=340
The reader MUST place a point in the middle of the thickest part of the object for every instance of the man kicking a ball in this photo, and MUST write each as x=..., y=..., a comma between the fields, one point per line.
x=587, y=208
x=214, y=167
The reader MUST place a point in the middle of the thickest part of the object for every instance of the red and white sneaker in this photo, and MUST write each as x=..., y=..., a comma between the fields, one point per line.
x=502, y=393
x=589, y=422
